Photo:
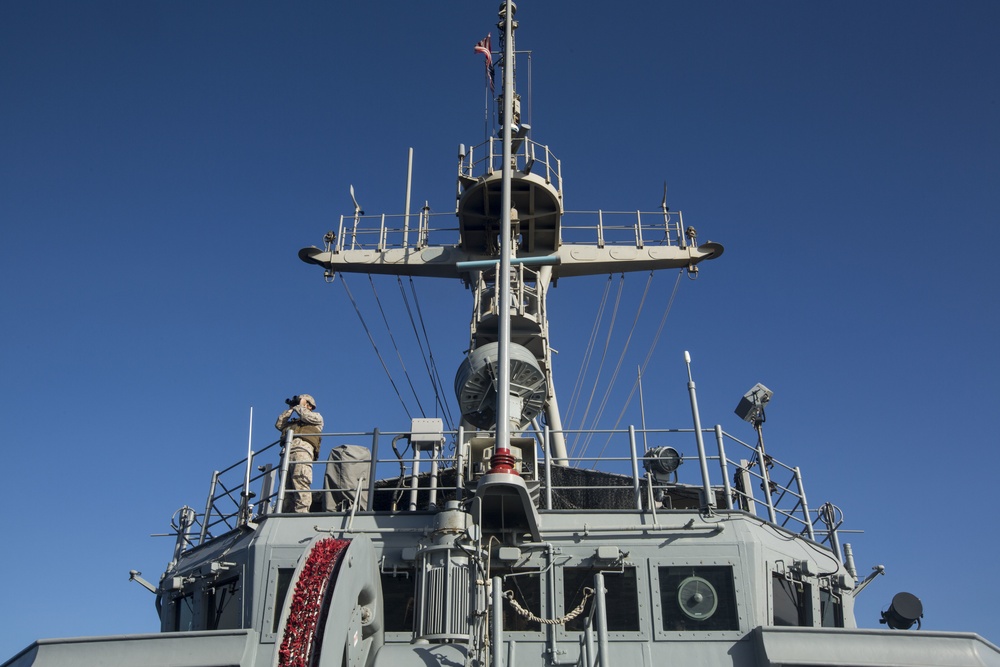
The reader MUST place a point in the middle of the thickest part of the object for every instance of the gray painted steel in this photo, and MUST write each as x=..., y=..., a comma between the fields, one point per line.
x=602, y=566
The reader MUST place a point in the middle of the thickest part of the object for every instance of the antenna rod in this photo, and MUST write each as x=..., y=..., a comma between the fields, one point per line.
x=708, y=502
x=503, y=461
x=409, y=183
x=245, y=512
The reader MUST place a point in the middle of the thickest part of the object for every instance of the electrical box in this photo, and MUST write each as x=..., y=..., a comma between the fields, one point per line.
x=426, y=432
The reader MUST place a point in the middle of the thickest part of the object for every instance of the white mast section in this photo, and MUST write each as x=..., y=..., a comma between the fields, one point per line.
x=503, y=273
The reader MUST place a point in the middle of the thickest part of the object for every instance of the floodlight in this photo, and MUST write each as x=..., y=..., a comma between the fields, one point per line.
x=661, y=461
x=751, y=407
x=905, y=610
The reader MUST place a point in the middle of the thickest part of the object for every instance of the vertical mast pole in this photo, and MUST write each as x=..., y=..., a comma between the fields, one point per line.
x=502, y=460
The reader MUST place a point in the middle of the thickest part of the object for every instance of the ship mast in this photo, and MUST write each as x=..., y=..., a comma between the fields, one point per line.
x=502, y=459
x=510, y=250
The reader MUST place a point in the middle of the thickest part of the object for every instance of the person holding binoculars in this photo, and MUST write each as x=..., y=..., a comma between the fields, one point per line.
x=306, y=424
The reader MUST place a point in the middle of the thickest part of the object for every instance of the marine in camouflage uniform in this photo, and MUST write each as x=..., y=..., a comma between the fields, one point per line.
x=303, y=451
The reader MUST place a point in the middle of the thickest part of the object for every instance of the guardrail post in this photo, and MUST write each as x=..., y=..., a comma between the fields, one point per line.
x=286, y=448
x=805, y=504
x=209, y=504
x=371, y=471
x=548, y=468
x=635, y=467
x=724, y=466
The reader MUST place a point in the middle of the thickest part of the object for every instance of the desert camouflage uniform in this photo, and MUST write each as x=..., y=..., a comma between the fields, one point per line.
x=304, y=450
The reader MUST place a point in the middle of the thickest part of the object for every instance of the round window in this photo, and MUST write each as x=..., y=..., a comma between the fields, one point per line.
x=697, y=598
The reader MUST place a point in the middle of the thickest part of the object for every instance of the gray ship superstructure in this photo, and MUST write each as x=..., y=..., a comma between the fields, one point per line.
x=488, y=543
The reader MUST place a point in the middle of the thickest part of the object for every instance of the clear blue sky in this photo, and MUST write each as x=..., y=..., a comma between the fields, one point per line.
x=162, y=162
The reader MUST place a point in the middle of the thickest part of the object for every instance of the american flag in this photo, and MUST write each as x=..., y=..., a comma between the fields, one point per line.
x=483, y=47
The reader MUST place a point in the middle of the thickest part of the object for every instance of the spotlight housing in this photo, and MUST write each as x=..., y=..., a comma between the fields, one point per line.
x=661, y=462
x=751, y=406
x=905, y=610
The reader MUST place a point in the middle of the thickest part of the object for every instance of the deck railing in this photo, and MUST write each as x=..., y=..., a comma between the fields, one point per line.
x=529, y=157
x=398, y=479
x=638, y=229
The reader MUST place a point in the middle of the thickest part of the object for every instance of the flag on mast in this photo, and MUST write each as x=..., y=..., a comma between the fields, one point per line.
x=483, y=47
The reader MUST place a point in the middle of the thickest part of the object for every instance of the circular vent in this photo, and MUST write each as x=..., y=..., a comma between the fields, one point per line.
x=697, y=598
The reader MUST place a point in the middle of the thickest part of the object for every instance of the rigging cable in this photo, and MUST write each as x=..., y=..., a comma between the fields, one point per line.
x=618, y=367
x=392, y=338
x=645, y=363
x=604, y=355
x=587, y=355
x=374, y=346
x=427, y=356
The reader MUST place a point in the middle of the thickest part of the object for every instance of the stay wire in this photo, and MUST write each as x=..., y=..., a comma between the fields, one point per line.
x=600, y=368
x=392, y=338
x=430, y=352
x=425, y=355
x=371, y=340
x=645, y=363
x=588, y=352
x=618, y=367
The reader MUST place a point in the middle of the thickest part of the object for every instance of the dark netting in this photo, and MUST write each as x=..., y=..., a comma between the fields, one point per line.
x=572, y=489
x=578, y=489
x=397, y=491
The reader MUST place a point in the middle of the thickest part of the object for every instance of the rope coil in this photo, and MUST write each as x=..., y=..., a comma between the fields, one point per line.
x=521, y=611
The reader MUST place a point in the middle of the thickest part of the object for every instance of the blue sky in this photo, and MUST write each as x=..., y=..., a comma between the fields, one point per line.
x=162, y=162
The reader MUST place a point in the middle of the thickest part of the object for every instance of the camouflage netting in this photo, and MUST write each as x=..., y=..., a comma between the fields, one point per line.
x=573, y=489
x=397, y=491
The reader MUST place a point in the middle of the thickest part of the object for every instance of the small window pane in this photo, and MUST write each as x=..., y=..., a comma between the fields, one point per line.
x=622, y=597
x=224, y=606
x=280, y=592
x=831, y=609
x=792, y=601
x=698, y=598
x=527, y=590
x=184, y=613
x=398, y=592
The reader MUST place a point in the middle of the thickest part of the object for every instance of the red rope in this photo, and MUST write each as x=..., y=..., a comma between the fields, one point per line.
x=303, y=632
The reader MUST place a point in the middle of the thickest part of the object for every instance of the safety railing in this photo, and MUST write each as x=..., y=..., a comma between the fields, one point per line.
x=528, y=157
x=637, y=229
x=397, y=231
x=644, y=477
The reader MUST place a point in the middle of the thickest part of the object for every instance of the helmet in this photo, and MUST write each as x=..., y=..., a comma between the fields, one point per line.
x=309, y=399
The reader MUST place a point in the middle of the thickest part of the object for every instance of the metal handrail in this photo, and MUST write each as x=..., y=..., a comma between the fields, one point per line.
x=383, y=232
x=222, y=508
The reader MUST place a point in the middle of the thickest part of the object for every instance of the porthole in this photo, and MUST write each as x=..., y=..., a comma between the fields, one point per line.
x=697, y=598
